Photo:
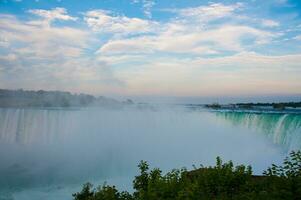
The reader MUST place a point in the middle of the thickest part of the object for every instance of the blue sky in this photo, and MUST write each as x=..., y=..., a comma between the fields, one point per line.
x=147, y=47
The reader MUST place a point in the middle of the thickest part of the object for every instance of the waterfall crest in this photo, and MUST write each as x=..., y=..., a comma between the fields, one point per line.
x=283, y=129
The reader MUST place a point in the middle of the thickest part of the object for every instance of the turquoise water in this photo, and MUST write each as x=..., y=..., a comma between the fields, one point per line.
x=282, y=129
x=48, y=154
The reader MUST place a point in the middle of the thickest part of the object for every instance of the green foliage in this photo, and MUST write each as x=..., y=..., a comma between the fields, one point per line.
x=279, y=106
x=104, y=192
x=291, y=167
x=86, y=194
x=221, y=182
x=286, y=179
x=213, y=106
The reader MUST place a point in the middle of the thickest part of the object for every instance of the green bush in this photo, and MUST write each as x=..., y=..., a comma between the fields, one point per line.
x=221, y=182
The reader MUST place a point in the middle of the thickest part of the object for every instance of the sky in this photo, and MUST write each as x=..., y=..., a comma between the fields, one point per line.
x=183, y=48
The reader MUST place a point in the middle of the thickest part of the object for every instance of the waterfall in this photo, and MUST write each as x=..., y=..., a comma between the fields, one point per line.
x=278, y=129
x=45, y=126
x=282, y=129
x=33, y=125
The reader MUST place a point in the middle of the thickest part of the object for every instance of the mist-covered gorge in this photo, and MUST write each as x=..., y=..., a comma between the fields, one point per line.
x=59, y=149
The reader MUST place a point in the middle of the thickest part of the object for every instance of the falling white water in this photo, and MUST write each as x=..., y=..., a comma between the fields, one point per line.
x=283, y=129
x=278, y=129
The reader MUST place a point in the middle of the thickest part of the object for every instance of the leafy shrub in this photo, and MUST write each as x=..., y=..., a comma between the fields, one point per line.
x=291, y=167
x=221, y=182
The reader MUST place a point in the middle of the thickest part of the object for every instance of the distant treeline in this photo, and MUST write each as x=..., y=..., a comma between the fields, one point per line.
x=41, y=98
x=223, y=181
x=279, y=106
x=274, y=105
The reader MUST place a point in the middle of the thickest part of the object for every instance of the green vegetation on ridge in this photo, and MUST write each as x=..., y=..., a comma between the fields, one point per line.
x=222, y=181
x=41, y=98
x=276, y=106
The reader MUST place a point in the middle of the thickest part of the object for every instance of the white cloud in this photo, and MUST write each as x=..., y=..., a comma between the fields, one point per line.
x=269, y=23
x=3, y=40
x=242, y=73
x=41, y=41
x=49, y=57
x=252, y=61
x=298, y=37
x=128, y=46
x=105, y=21
x=120, y=59
x=147, y=6
x=52, y=15
x=8, y=57
x=225, y=38
x=206, y=13
x=188, y=54
x=182, y=34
